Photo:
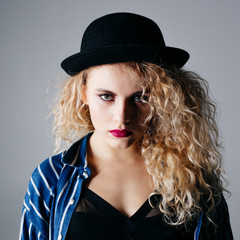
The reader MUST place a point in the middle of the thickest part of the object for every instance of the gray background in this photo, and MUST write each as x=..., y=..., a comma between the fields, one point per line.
x=37, y=35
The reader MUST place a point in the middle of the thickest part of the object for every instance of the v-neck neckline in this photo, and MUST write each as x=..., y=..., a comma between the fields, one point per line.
x=141, y=212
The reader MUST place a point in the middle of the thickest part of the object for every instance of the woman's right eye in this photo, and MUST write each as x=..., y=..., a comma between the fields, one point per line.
x=106, y=97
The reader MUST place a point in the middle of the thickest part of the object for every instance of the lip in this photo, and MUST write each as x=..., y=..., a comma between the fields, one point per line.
x=120, y=133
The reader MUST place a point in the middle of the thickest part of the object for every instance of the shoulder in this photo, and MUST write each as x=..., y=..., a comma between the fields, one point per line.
x=41, y=187
x=42, y=183
x=46, y=175
x=217, y=225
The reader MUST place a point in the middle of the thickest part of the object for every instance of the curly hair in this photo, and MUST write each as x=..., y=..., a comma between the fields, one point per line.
x=181, y=143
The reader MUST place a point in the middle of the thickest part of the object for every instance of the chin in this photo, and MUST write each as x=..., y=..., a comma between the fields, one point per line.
x=121, y=144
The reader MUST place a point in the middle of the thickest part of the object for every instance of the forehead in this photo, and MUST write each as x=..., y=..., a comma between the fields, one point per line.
x=113, y=77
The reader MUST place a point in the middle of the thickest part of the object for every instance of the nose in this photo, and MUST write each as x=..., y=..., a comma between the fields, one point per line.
x=123, y=112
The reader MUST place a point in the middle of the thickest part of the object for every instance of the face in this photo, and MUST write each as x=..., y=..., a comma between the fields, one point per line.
x=116, y=107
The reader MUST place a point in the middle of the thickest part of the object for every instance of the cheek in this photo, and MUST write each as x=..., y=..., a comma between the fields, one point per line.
x=98, y=115
x=143, y=114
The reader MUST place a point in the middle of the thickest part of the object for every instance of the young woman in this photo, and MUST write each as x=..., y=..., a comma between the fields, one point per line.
x=147, y=164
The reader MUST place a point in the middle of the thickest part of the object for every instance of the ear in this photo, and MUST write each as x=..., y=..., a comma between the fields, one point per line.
x=83, y=94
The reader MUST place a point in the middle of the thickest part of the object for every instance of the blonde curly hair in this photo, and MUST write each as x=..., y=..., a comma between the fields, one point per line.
x=181, y=142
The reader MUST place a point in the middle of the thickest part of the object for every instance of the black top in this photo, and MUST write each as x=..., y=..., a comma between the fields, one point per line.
x=95, y=218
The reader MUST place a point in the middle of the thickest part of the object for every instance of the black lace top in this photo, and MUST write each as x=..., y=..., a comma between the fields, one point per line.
x=95, y=218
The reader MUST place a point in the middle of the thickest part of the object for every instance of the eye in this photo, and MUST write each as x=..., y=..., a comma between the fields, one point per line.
x=106, y=97
x=140, y=98
x=137, y=98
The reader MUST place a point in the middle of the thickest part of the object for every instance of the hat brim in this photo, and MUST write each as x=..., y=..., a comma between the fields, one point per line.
x=159, y=55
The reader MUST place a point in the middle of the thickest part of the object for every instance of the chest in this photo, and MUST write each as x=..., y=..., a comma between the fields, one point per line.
x=124, y=188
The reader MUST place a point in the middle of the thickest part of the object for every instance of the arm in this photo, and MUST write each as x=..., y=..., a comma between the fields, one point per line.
x=27, y=229
x=37, y=202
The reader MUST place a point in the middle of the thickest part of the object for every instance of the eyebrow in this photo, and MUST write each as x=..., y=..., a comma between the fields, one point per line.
x=102, y=90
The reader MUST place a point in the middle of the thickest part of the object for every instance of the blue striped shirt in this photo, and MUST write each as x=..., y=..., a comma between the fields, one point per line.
x=53, y=193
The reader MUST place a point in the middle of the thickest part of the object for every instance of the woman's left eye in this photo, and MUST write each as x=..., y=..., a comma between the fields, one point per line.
x=140, y=98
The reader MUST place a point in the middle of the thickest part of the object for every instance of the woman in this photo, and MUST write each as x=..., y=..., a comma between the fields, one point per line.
x=147, y=164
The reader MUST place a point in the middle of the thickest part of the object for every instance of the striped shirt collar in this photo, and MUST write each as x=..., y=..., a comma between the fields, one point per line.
x=76, y=155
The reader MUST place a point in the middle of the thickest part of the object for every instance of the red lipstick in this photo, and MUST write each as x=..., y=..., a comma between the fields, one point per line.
x=120, y=133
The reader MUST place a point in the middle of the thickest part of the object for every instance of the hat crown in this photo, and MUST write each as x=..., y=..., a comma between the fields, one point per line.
x=123, y=37
x=121, y=29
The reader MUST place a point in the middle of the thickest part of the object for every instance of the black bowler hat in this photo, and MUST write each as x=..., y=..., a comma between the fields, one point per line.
x=123, y=37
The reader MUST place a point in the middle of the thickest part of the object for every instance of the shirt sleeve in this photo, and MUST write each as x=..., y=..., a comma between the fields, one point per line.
x=219, y=228
x=27, y=230
x=37, y=204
